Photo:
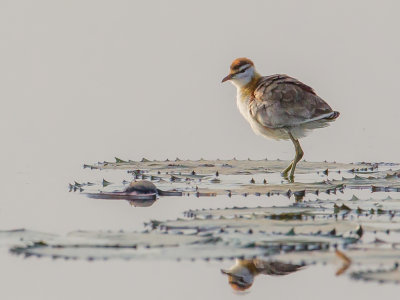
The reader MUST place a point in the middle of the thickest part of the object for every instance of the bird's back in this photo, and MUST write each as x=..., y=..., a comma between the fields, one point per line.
x=280, y=101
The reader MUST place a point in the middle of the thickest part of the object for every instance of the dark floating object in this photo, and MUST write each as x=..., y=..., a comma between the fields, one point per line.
x=299, y=195
x=105, y=182
x=137, y=190
x=360, y=231
x=291, y=232
x=141, y=187
x=145, y=187
x=174, y=178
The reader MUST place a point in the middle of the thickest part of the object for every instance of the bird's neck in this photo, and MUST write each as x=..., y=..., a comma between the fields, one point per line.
x=247, y=88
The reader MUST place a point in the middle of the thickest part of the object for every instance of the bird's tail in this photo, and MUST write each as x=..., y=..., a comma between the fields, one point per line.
x=333, y=116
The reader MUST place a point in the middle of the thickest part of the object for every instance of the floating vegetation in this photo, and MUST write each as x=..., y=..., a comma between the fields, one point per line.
x=327, y=221
x=389, y=276
x=238, y=177
x=176, y=244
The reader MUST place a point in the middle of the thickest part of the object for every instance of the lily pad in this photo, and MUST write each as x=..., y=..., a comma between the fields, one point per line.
x=238, y=177
x=380, y=275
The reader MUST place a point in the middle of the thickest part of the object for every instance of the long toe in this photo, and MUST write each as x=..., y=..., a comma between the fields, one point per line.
x=291, y=177
x=286, y=171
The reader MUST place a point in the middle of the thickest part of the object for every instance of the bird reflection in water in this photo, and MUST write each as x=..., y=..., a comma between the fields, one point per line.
x=241, y=275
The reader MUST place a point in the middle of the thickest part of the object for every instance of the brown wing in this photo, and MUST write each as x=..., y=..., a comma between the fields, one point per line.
x=282, y=101
x=275, y=267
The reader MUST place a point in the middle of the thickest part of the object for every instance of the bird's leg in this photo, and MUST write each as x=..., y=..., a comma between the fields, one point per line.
x=290, y=166
x=286, y=171
x=297, y=158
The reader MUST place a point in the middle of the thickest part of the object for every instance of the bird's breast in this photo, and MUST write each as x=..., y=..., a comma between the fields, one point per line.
x=243, y=103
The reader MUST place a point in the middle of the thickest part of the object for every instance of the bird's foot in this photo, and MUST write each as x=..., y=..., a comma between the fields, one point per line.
x=286, y=176
x=289, y=179
x=285, y=172
x=291, y=176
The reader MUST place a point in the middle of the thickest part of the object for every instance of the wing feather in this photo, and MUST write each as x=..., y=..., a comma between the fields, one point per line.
x=282, y=101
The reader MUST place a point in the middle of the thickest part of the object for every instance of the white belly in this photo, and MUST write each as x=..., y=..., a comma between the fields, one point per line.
x=243, y=106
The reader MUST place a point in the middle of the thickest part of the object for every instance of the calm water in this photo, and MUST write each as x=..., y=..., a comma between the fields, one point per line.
x=49, y=207
x=88, y=81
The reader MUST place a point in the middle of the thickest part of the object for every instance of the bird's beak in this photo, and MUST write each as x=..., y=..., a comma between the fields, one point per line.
x=229, y=77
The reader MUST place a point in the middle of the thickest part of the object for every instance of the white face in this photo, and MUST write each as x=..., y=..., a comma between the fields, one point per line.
x=241, y=274
x=243, y=76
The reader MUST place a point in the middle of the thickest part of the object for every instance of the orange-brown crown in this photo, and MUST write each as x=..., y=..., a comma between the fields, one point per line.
x=238, y=287
x=238, y=62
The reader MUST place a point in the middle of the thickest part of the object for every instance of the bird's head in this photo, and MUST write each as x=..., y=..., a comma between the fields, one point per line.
x=241, y=275
x=242, y=72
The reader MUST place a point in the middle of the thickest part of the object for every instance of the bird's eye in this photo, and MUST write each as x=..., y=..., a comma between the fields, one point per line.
x=242, y=71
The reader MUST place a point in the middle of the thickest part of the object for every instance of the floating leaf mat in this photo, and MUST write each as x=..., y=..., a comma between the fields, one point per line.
x=243, y=177
x=308, y=231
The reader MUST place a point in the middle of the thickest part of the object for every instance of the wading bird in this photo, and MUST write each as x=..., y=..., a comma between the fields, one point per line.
x=278, y=106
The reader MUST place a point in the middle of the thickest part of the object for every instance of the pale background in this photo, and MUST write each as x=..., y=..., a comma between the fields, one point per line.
x=83, y=81
x=90, y=80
